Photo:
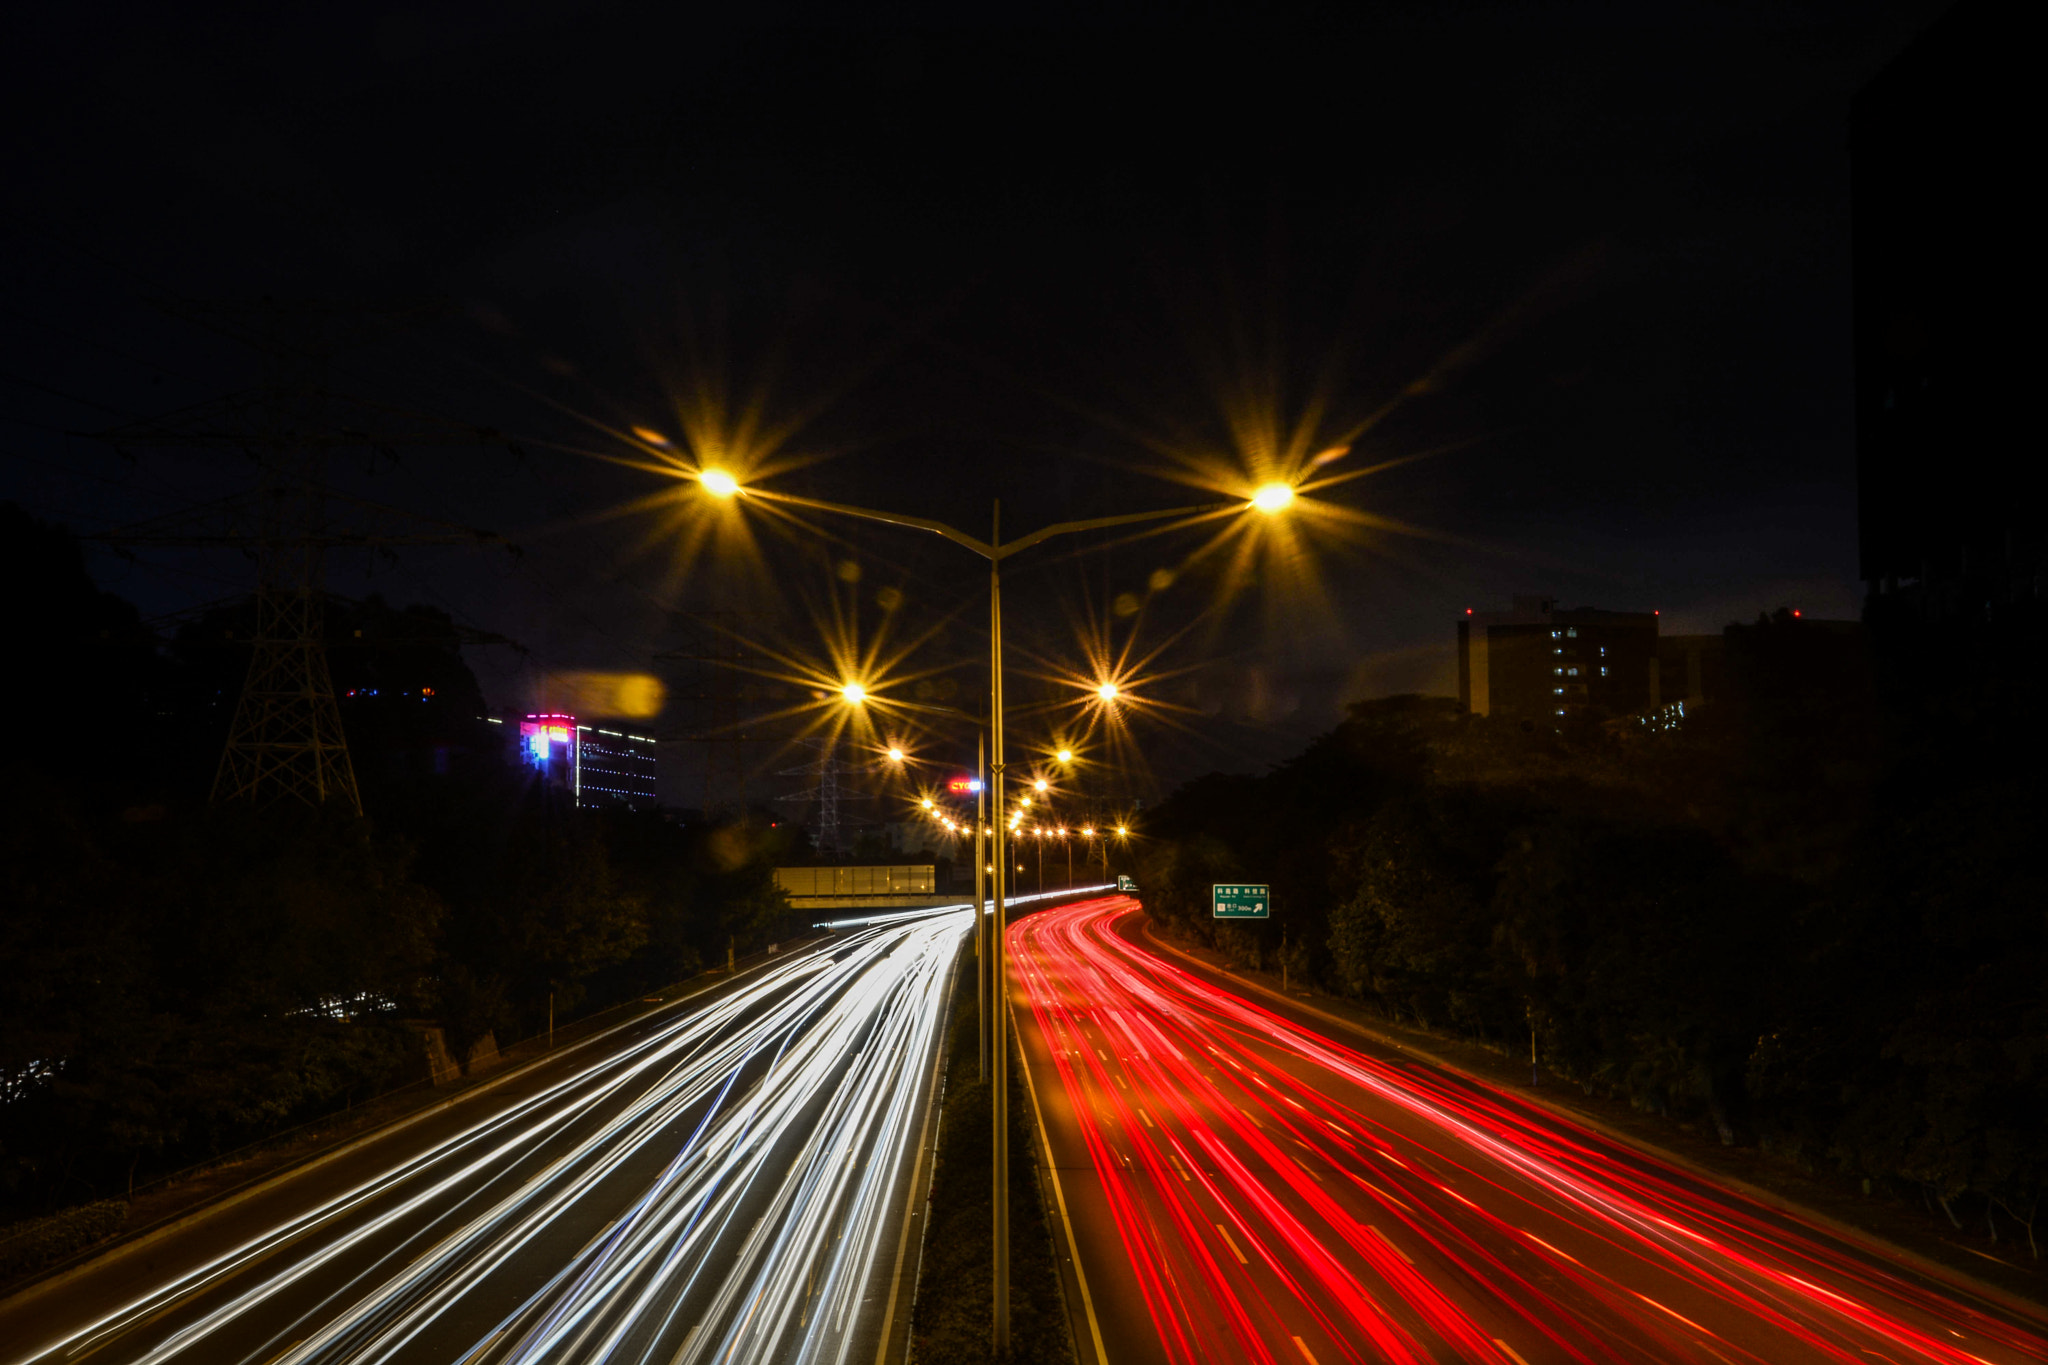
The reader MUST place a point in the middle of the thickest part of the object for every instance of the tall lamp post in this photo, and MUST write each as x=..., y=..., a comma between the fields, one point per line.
x=1271, y=499
x=857, y=695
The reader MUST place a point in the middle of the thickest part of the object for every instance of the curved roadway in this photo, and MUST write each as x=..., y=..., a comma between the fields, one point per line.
x=1243, y=1188
x=722, y=1181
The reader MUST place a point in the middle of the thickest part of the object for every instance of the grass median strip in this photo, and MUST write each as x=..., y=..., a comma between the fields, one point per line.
x=955, y=1295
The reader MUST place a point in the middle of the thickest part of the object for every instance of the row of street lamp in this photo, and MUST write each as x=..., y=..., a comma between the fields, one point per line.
x=1270, y=499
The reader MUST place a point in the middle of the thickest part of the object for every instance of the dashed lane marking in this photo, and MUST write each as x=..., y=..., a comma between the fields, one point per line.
x=1225, y=1233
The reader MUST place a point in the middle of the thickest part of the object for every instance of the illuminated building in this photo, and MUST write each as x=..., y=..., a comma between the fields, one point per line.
x=595, y=765
x=615, y=768
x=547, y=744
x=1539, y=662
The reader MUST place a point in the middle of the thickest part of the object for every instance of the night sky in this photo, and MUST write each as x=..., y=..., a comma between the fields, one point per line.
x=1592, y=268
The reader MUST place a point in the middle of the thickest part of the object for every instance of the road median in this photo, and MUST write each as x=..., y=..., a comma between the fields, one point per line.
x=955, y=1293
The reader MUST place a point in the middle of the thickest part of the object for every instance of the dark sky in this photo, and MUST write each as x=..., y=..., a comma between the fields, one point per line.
x=1592, y=261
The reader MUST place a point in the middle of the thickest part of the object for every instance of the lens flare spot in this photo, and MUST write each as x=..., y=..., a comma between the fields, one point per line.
x=619, y=695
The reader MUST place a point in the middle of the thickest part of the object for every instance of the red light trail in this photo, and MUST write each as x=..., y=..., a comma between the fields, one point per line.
x=1283, y=1197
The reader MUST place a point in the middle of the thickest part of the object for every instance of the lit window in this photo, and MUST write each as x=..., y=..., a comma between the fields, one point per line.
x=1573, y=672
x=1603, y=670
x=1557, y=635
x=1573, y=632
x=1558, y=671
x=1558, y=690
x=1603, y=651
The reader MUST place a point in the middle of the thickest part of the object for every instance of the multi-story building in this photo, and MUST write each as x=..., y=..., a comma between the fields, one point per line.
x=617, y=769
x=1690, y=669
x=547, y=744
x=595, y=765
x=1539, y=662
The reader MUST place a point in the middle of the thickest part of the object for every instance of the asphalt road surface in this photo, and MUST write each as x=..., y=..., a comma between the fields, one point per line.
x=1243, y=1188
x=725, y=1179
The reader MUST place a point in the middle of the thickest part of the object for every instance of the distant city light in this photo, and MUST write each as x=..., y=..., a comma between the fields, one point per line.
x=896, y=756
x=1067, y=755
x=1107, y=691
x=718, y=483
x=854, y=693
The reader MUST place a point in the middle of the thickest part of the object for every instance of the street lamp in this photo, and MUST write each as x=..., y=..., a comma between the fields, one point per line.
x=1273, y=497
x=1270, y=499
x=854, y=693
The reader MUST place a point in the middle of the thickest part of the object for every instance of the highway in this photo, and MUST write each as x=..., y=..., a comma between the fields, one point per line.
x=727, y=1179
x=1242, y=1188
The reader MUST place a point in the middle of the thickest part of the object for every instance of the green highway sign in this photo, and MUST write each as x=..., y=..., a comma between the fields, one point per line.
x=1240, y=900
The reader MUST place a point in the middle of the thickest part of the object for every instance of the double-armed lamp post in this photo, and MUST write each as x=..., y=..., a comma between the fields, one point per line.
x=1270, y=499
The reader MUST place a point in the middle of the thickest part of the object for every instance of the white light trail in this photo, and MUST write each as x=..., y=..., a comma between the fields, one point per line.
x=736, y=1165
x=906, y=915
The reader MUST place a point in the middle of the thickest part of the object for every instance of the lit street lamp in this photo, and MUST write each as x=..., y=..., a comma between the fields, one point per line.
x=1270, y=499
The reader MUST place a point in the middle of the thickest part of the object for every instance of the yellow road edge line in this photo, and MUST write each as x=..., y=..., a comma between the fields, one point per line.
x=1058, y=1193
x=1510, y=1351
x=1306, y=1351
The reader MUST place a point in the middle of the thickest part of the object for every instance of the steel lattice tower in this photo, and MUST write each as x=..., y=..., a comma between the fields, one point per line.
x=286, y=739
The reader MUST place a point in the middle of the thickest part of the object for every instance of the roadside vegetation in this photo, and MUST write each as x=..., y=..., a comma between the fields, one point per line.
x=1810, y=917
x=178, y=980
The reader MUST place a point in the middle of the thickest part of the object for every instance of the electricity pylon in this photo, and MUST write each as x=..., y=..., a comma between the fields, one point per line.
x=286, y=741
